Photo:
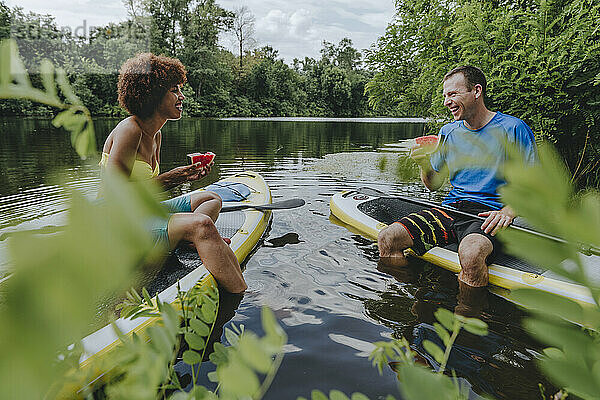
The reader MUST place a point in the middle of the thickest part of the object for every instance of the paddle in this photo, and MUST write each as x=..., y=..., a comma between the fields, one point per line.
x=585, y=249
x=278, y=205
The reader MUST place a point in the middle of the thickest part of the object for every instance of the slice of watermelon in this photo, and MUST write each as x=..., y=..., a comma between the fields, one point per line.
x=430, y=142
x=203, y=158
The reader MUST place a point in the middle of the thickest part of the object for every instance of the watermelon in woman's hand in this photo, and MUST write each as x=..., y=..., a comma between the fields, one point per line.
x=203, y=158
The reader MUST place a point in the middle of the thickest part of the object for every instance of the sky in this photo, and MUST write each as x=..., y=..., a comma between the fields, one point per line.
x=295, y=28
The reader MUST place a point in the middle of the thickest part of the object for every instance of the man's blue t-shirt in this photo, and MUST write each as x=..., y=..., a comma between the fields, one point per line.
x=475, y=158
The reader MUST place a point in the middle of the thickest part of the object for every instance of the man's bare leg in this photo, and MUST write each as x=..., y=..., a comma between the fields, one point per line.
x=473, y=251
x=217, y=256
x=392, y=242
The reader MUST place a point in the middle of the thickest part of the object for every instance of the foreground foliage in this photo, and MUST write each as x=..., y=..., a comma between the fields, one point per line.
x=573, y=355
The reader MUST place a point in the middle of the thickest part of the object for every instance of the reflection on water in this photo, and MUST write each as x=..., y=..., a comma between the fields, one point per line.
x=321, y=280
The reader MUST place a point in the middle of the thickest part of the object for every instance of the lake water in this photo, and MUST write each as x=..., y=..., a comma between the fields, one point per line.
x=321, y=280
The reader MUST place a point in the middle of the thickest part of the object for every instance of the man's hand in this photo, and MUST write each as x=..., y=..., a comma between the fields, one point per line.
x=497, y=220
x=431, y=179
x=420, y=155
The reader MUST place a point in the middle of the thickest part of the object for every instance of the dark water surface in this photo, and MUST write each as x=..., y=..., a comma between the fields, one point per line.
x=321, y=280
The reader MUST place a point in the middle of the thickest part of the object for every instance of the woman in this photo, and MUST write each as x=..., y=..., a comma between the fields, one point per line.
x=149, y=89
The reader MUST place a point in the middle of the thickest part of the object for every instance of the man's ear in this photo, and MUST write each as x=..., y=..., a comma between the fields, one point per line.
x=478, y=91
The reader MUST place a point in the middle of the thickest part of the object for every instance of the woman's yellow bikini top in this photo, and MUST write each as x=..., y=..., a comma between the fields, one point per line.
x=141, y=170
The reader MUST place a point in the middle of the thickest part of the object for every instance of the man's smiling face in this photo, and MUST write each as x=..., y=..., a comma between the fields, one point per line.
x=458, y=98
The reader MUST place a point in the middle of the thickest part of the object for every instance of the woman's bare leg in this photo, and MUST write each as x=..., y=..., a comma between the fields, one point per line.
x=217, y=256
x=207, y=203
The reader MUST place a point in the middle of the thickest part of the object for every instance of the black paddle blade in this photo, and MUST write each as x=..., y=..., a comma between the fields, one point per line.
x=278, y=205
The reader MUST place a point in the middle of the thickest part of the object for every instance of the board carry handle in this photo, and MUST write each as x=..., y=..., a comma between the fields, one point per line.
x=278, y=205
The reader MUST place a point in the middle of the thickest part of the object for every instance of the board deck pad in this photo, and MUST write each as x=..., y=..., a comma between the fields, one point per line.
x=390, y=209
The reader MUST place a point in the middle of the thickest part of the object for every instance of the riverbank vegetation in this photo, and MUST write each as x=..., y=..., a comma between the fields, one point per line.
x=540, y=57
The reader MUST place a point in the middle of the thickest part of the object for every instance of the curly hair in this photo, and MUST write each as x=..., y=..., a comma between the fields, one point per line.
x=145, y=79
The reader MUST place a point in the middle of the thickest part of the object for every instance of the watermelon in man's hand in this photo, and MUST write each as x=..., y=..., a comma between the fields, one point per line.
x=425, y=144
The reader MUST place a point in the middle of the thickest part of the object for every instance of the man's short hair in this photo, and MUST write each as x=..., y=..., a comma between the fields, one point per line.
x=473, y=76
x=144, y=80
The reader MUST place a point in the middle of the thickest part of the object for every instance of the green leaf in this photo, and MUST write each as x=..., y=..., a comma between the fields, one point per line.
x=421, y=384
x=337, y=395
x=358, y=396
x=5, y=59
x=231, y=337
x=65, y=87
x=47, y=75
x=194, y=341
x=160, y=340
x=180, y=396
x=212, y=376
x=575, y=377
x=237, y=380
x=18, y=72
x=190, y=357
x=553, y=352
x=557, y=334
x=476, y=326
x=209, y=313
x=253, y=353
x=536, y=250
x=199, y=327
x=318, y=395
x=147, y=297
x=442, y=333
x=446, y=318
x=549, y=303
x=158, y=303
x=434, y=350
x=273, y=331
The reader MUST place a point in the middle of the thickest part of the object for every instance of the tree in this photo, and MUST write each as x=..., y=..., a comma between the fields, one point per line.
x=135, y=8
x=167, y=19
x=343, y=55
x=243, y=27
x=272, y=86
x=209, y=75
x=5, y=20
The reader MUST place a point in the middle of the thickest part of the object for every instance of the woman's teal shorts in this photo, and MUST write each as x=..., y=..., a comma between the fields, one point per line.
x=158, y=226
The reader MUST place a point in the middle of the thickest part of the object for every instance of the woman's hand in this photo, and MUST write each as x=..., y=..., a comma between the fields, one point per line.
x=497, y=220
x=185, y=173
x=193, y=172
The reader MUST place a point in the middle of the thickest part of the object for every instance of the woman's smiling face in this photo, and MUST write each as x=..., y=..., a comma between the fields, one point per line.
x=171, y=106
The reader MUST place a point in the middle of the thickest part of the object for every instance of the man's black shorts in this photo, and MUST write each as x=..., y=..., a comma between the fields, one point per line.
x=436, y=227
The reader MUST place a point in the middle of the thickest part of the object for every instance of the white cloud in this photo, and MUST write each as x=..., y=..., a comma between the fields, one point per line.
x=295, y=29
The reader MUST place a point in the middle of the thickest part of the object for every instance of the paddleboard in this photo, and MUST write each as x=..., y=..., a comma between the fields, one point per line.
x=367, y=213
x=244, y=228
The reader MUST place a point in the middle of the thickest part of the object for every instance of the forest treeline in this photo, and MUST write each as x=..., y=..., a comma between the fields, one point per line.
x=540, y=56
x=220, y=83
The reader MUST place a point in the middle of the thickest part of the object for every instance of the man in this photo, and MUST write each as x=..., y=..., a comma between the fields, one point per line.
x=471, y=152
